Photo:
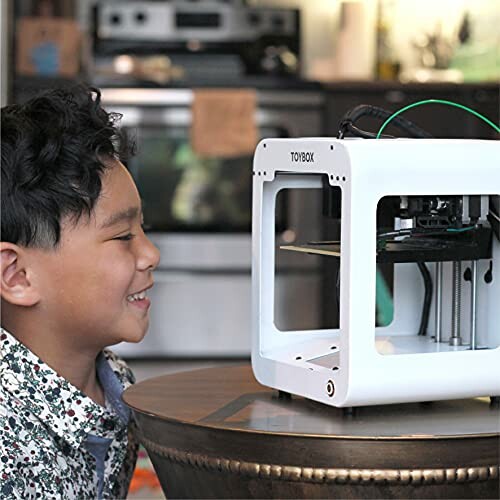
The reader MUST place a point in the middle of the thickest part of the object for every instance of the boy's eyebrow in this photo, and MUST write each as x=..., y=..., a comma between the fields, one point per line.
x=124, y=215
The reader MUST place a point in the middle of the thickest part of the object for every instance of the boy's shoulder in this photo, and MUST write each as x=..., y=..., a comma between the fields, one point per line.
x=26, y=447
x=35, y=457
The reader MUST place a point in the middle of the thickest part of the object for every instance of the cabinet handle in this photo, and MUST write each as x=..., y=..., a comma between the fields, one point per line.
x=482, y=96
x=395, y=96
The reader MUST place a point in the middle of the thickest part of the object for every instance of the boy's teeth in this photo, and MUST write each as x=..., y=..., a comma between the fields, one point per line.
x=136, y=296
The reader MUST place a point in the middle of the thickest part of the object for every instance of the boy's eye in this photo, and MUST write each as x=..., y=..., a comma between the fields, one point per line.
x=125, y=237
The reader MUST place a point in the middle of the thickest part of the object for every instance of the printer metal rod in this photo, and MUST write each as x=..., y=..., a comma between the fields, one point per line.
x=473, y=305
x=438, y=299
x=455, y=339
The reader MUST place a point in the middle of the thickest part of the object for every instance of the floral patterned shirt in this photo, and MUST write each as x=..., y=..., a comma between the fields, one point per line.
x=56, y=442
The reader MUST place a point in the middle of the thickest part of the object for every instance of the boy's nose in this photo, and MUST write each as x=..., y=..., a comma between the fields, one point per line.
x=149, y=257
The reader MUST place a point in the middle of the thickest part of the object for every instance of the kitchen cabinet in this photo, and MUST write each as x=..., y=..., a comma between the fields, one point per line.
x=439, y=120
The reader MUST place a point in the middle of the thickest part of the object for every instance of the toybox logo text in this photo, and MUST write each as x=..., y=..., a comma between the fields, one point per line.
x=302, y=156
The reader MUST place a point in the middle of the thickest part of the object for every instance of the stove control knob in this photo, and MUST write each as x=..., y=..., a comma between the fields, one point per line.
x=115, y=18
x=254, y=18
x=141, y=17
x=277, y=21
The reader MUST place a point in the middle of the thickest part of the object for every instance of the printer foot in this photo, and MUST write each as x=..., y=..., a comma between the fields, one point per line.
x=284, y=395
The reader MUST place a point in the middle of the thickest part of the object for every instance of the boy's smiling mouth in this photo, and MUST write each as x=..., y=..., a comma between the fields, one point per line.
x=140, y=299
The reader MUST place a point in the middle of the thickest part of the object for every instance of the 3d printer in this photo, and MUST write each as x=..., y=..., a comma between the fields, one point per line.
x=425, y=328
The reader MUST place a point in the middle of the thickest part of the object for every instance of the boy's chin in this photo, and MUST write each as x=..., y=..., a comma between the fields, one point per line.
x=133, y=336
x=136, y=337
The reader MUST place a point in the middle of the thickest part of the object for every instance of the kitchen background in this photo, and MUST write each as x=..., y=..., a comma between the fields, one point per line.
x=282, y=68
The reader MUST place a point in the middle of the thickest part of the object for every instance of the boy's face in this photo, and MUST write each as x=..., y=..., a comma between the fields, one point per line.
x=89, y=284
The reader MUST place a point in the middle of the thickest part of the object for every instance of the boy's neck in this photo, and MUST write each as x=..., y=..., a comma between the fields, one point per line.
x=76, y=365
x=80, y=370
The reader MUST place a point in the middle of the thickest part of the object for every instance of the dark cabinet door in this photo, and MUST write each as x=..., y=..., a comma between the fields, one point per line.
x=487, y=102
x=439, y=120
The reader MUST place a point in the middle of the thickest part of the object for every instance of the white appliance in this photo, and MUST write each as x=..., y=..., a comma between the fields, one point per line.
x=447, y=217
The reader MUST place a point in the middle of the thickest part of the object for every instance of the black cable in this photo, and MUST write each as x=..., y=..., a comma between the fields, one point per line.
x=348, y=122
x=357, y=132
x=426, y=275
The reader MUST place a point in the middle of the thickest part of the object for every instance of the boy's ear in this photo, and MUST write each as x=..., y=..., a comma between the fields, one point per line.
x=16, y=286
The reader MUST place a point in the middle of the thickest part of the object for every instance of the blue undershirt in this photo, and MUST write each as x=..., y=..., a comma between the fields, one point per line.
x=113, y=389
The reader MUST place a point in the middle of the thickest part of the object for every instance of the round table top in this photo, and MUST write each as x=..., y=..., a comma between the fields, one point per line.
x=231, y=398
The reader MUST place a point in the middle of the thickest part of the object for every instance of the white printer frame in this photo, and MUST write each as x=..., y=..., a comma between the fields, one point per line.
x=359, y=363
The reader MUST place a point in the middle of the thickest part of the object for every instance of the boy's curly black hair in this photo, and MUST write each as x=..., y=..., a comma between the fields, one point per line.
x=53, y=151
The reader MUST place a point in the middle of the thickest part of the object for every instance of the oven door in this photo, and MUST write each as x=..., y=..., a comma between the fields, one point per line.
x=184, y=193
x=191, y=202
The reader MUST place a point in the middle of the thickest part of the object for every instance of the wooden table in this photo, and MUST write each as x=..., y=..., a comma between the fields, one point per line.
x=217, y=433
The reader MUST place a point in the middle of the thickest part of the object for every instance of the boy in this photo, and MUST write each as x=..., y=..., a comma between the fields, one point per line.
x=75, y=268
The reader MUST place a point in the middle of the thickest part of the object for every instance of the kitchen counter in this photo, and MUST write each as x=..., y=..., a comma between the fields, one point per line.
x=381, y=85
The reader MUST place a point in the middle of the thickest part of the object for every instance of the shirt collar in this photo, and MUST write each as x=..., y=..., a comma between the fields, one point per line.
x=112, y=384
x=67, y=411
